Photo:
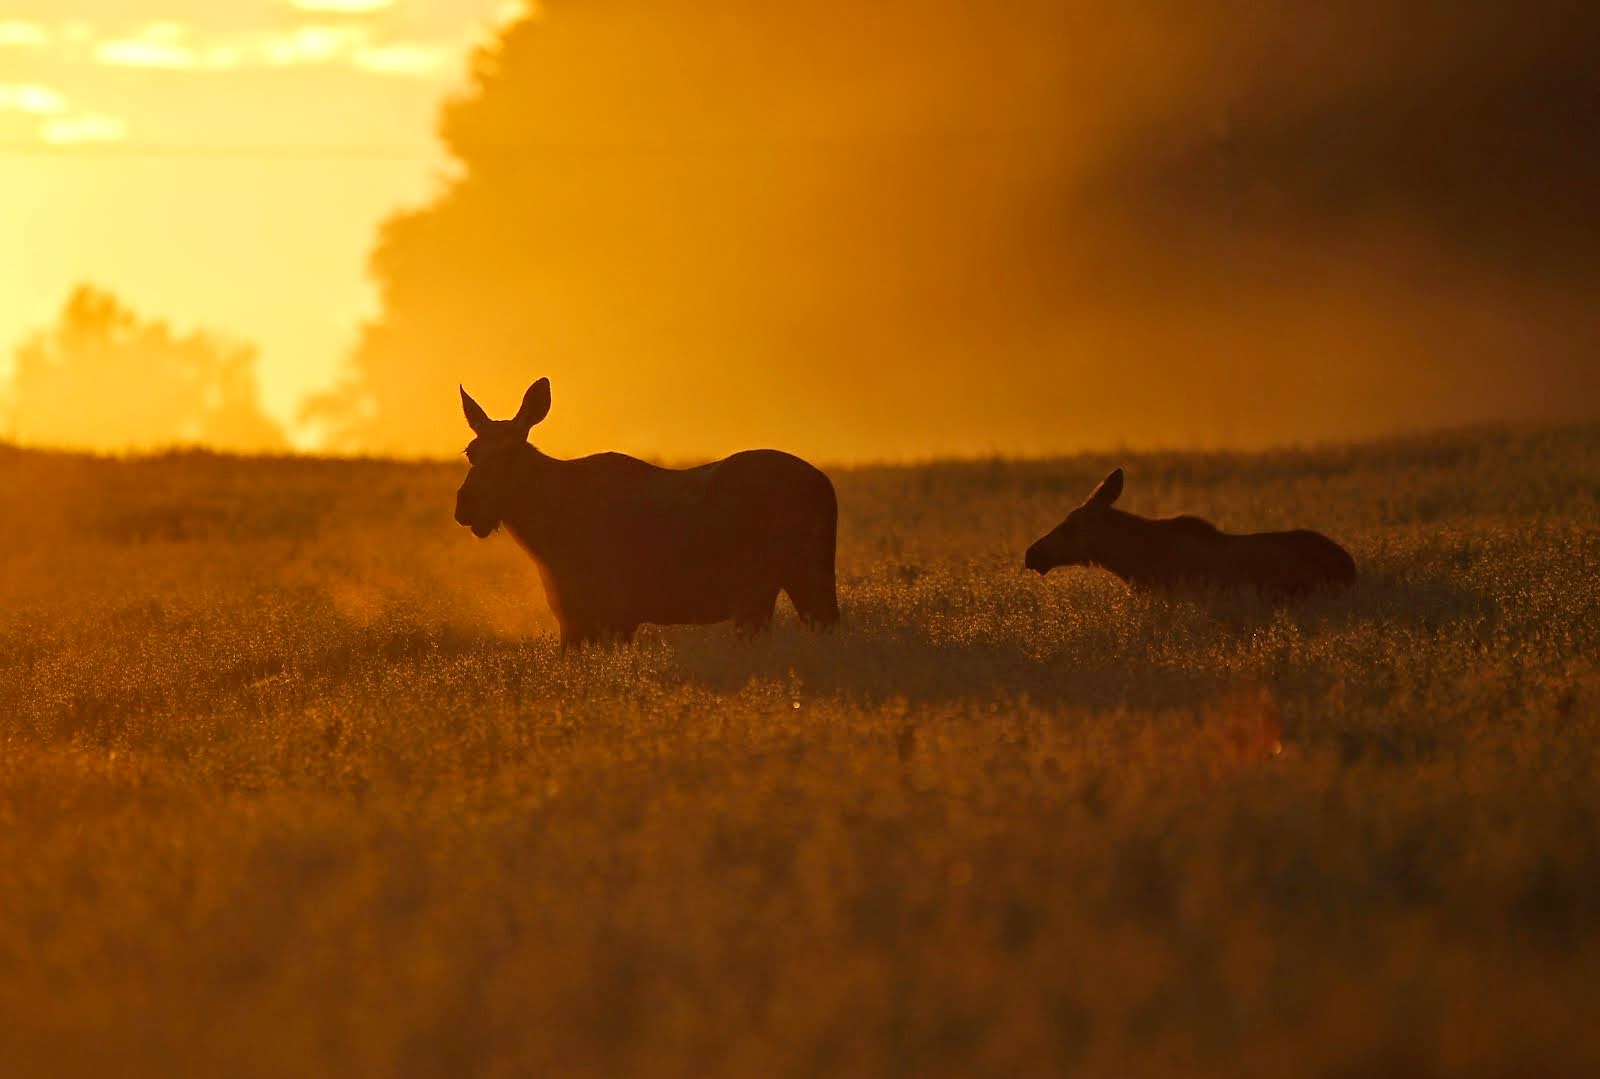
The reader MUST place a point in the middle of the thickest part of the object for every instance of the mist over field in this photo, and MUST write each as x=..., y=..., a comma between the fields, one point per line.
x=294, y=779
x=902, y=231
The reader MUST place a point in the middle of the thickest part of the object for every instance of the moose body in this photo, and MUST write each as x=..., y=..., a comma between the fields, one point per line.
x=1187, y=552
x=620, y=542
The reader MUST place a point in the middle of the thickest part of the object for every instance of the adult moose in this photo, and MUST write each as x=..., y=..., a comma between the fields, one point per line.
x=620, y=542
x=1180, y=552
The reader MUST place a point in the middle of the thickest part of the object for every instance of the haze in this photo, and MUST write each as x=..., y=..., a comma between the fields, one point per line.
x=903, y=231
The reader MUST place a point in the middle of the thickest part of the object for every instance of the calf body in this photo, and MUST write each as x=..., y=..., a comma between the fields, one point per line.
x=1181, y=552
x=620, y=542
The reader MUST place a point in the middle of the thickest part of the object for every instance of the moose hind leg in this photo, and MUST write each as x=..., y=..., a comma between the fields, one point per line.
x=811, y=586
x=815, y=597
x=817, y=606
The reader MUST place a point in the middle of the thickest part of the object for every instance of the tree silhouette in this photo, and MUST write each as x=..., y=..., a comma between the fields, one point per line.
x=105, y=378
x=900, y=228
x=695, y=226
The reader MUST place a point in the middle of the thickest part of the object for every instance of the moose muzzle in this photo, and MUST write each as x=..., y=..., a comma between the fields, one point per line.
x=465, y=516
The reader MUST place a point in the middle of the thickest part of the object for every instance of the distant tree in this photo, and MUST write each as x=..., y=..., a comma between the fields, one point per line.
x=689, y=221
x=899, y=228
x=102, y=377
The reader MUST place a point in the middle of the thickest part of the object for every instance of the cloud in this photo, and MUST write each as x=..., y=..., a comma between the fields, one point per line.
x=314, y=45
x=342, y=7
x=401, y=59
x=340, y=33
x=171, y=46
x=19, y=34
x=58, y=124
x=31, y=98
x=157, y=45
x=132, y=52
x=83, y=128
x=354, y=45
x=509, y=11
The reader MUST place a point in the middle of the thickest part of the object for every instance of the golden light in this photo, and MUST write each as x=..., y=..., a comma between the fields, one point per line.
x=157, y=45
x=17, y=33
x=1089, y=229
x=87, y=127
x=314, y=44
x=33, y=99
x=400, y=59
x=343, y=7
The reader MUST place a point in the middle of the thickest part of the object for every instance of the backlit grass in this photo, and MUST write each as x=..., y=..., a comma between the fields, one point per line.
x=294, y=779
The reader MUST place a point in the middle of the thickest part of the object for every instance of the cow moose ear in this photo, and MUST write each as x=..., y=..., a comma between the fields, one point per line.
x=535, y=406
x=1109, y=491
x=477, y=418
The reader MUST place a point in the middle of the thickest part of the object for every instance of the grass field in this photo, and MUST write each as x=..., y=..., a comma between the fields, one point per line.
x=294, y=780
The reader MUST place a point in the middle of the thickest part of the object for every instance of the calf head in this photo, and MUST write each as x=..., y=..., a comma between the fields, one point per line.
x=1082, y=537
x=493, y=452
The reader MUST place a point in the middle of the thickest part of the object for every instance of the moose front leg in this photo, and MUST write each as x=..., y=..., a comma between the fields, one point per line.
x=576, y=635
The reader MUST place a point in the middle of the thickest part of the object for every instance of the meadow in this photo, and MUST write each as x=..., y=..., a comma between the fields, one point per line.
x=295, y=780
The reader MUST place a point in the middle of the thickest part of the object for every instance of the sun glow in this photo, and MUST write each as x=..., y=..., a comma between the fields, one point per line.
x=86, y=127
x=771, y=204
x=15, y=33
x=314, y=44
x=400, y=59
x=171, y=47
x=33, y=99
x=146, y=52
x=343, y=7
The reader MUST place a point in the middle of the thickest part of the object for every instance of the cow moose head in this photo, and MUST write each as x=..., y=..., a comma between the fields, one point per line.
x=493, y=452
x=1080, y=538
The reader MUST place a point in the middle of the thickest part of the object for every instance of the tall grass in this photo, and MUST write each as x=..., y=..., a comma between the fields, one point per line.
x=293, y=779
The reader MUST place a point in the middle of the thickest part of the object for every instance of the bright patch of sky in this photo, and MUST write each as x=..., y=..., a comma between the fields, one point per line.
x=14, y=33
x=351, y=7
x=81, y=128
x=32, y=99
x=175, y=46
x=221, y=163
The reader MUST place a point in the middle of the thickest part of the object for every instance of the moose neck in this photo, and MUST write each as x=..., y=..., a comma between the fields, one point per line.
x=536, y=491
x=1125, y=543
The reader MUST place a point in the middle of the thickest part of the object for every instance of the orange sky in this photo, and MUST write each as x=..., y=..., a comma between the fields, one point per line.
x=898, y=229
x=220, y=163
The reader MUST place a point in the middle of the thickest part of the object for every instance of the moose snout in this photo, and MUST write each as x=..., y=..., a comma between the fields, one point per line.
x=1036, y=560
x=465, y=517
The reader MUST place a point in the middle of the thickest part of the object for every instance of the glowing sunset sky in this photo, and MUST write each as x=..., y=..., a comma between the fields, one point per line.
x=859, y=231
x=221, y=164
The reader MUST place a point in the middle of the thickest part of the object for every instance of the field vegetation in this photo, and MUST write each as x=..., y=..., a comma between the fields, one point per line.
x=295, y=780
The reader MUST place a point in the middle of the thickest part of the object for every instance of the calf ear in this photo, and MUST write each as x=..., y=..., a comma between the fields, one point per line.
x=477, y=418
x=535, y=406
x=1109, y=491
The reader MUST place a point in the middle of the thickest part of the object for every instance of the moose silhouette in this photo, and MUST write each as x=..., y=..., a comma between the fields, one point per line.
x=1187, y=552
x=620, y=542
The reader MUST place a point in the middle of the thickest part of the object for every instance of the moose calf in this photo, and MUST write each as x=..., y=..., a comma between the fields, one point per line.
x=1180, y=552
